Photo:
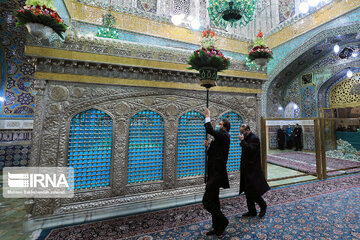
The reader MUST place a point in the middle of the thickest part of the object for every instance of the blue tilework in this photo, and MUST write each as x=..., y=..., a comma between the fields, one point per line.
x=14, y=156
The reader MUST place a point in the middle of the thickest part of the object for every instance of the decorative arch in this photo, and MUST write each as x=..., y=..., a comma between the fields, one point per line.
x=346, y=93
x=190, y=149
x=233, y=163
x=329, y=84
x=292, y=110
x=89, y=151
x=299, y=47
x=146, y=145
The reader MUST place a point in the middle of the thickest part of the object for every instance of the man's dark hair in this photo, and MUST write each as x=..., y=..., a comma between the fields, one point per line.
x=247, y=127
x=226, y=124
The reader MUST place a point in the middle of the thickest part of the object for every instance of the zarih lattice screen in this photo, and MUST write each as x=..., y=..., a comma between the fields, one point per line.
x=90, y=149
x=233, y=163
x=191, y=152
x=146, y=143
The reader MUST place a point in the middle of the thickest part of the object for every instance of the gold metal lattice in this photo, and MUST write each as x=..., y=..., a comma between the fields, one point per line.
x=342, y=95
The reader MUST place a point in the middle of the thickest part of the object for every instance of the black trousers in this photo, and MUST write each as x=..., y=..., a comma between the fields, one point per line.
x=211, y=203
x=251, y=199
x=297, y=142
x=289, y=144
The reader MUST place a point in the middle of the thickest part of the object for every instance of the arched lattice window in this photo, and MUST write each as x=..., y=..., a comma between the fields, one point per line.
x=146, y=143
x=233, y=163
x=90, y=149
x=191, y=152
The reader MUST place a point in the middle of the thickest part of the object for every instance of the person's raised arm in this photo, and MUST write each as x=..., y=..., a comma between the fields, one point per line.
x=209, y=129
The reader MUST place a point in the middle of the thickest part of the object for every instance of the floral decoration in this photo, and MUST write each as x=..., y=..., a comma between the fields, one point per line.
x=260, y=50
x=208, y=55
x=38, y=12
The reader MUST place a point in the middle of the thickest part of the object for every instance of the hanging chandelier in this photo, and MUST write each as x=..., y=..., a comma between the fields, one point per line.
x=236, y=12
x=107, y=30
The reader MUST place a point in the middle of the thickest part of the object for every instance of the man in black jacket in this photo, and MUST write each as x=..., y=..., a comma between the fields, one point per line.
x=217, y=154
x=298, y=137
x=252, y=180
x=281, y=138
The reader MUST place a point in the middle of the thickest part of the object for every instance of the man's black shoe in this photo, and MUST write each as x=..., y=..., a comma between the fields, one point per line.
x=222, y=230
x=262, y=212
x=212, y=232
x=249, y=214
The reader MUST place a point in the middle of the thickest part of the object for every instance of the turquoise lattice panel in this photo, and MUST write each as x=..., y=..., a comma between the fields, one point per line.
x=146, y=143
x=90, y=149
x=191, y=152
x=233, y=163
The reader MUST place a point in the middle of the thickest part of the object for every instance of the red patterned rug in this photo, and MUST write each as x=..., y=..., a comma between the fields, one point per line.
x=306, y=162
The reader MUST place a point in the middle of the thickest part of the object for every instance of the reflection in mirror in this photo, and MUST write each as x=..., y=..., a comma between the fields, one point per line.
x=291, y=152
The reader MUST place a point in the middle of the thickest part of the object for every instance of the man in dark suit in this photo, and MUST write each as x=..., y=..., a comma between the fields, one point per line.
x=252, y=180
x=281, y=138
x=298, y=137
x=217, y=176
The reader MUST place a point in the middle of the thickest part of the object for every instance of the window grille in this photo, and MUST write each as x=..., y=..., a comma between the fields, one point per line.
x=146, y=142
x=191, y=151
x=89, y=150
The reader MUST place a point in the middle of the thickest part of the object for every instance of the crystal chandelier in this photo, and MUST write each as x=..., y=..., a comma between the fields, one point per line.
x=108, y=30
x=236, y=12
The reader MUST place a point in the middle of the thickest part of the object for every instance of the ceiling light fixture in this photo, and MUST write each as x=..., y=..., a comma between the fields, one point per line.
x=304, y=7
x=346, y=52
x=236, y=12
x=195, y=24
x=189, y=21
x=177, y=19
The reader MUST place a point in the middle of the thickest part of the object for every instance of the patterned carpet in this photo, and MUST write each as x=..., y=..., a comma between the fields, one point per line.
x=325, y=209
x=306, y=162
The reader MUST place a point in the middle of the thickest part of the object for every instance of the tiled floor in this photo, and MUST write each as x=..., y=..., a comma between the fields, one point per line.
x=275, y=171
x=12, y=213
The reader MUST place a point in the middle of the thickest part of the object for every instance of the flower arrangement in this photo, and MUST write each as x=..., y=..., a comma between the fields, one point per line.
x=41, y=12
x=260, y=50
x=208, y=56
x=208, y=39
